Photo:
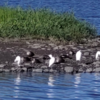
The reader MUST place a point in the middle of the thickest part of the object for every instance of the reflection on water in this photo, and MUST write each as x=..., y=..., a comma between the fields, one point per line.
x=77, y=80
x=76, y=84
x=17, y=82
x=51, y=80
x=51, y=84
x=43, y=86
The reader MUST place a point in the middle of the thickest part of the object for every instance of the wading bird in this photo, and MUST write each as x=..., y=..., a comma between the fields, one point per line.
x=78, y=55
x=18, y=61
x=52, y=60
x=97, y=56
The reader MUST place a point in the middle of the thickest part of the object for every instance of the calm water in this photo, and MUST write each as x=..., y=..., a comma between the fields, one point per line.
x=41, y=86
x=88, y=10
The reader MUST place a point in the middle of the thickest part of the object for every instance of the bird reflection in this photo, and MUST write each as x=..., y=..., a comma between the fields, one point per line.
x=77, y=82
x=51, y=81
x=97, y=80
x=17, y=83
x=50, y=92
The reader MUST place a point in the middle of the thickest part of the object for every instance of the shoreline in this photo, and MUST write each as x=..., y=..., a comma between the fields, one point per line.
x=9, y=49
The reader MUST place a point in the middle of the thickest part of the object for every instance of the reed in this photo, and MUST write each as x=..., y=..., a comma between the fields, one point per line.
x=43, y=23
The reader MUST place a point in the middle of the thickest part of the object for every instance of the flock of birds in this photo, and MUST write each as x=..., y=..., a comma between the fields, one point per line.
x=51, y=59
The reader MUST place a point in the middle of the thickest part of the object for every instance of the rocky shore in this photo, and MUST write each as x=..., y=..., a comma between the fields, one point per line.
x=9, y=49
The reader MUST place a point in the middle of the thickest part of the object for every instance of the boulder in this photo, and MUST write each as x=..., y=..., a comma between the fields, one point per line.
x=2, y=66
x=96, y=69
x=89, y=70
x=44, y=66
x=6, y=70
x=37, y=70
x=68, y=69
x=46, y=70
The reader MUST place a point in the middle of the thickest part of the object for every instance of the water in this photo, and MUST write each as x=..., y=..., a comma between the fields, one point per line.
x=44, y=86
x=84, y=9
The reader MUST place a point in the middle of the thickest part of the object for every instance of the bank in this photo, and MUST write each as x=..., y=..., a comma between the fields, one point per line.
x=10, y=49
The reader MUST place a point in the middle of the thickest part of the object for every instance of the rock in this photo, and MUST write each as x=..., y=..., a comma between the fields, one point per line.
x=52, y=71
x=96, y=69
x=89, y=70
x=86, y=53
x=81, y=70
x=94, y=44
x=46, y=70
x=56, y=48
x=68, y=69
x=88, y=60
x=44, y=66
x=37, y=70
x=96, y=64
x=2, y=65
x=12, y=69
x=24, y=69
x=6, y=70
x=35, y=46
x=27, y=64
x=1, y=70
x=61, y=47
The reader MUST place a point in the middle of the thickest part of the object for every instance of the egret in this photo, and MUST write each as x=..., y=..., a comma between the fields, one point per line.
x=18, y=60
x=52, y=60
x=97, y=56
x=78, y=55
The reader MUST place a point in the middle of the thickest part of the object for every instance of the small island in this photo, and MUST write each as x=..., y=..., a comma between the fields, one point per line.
x=46, y=32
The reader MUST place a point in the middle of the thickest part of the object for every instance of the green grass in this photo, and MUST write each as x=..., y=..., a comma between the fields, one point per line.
x=43, y=23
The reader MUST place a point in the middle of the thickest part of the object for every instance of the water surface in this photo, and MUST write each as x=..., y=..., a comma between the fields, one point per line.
x=44, y=86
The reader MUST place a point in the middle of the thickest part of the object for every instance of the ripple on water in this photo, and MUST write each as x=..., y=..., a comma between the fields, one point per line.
x=43, y=86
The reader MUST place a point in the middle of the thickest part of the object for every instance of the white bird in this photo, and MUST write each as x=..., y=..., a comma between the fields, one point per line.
x=78, y=55
x=52, y=60
x=18, y=60
x=97, y=56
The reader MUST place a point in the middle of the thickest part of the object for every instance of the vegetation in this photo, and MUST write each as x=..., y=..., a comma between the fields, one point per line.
x=43, y=23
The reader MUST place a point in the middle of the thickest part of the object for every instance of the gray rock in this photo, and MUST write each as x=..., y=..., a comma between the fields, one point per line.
x=6, y=70
x=13, y=69
x=1, y=70
x=86, y=53
x=52, y=71
x=27, y=64
x=96, y=64
x=37, y=70
x=24, y=69
x=68, y=69
x=80, y=70
x=89, y=70
x=96, y=69
x=44, y=66
x=94, y=44
x=56, y=48
x=43, y=48
x=2, y=65
x=46, y=70
x=60, y=47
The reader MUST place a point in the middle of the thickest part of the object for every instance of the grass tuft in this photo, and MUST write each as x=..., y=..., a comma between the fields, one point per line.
x=43, y=23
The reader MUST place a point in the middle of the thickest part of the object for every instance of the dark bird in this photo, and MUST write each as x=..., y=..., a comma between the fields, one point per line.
x=30, y=54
